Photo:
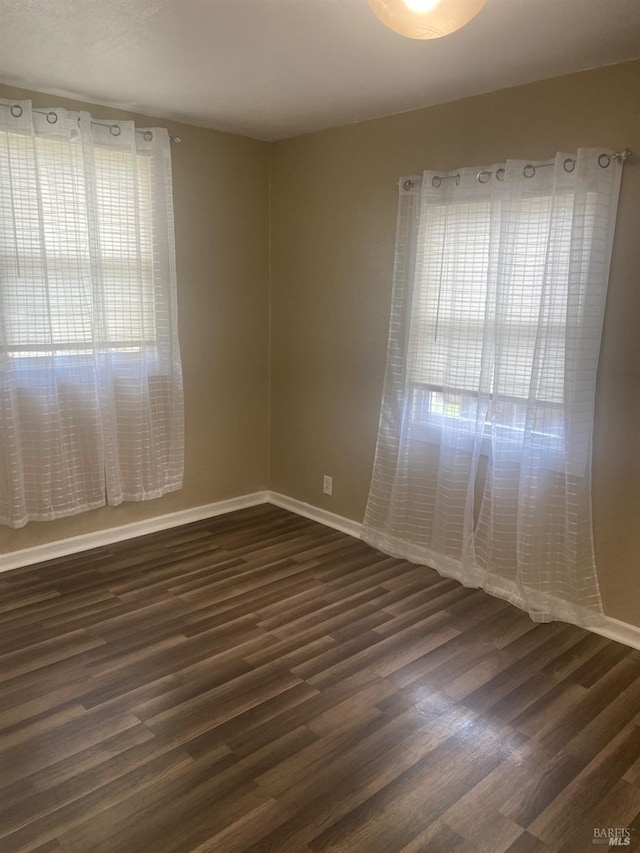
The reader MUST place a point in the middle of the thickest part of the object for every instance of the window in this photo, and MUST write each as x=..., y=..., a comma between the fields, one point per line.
x=499, y=290
x=48, y=292
x=475, y=349
x=90, y=371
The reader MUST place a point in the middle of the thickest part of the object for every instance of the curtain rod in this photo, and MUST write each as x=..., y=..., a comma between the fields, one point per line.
x=114, y=129
x=528, y=171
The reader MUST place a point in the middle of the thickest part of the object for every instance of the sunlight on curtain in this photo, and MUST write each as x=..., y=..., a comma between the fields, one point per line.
x=499, y=293
x=91, y=408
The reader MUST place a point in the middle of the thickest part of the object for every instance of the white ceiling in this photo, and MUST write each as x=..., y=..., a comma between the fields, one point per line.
x=278, y=68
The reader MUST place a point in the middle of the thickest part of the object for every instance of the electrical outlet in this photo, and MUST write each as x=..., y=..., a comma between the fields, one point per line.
x=327, y=485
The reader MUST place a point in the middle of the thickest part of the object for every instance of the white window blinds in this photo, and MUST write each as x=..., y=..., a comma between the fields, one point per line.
x=48, y=296
x=453, y=307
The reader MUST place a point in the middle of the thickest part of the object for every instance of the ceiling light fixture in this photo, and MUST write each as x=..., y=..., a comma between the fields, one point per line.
x=425, y=19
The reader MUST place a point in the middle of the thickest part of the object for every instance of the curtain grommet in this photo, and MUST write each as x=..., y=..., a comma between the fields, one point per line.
x=16, y=110
x=52, y=117
x=604, y=160
x=500, y=174
x=484, y=176
x=147, y=136
x=115, y=130
x=529, y=170
x=407, y=185
x=569, y=165
x=436, y=181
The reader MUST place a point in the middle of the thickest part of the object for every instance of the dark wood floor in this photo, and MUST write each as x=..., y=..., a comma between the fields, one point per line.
x=260, y=682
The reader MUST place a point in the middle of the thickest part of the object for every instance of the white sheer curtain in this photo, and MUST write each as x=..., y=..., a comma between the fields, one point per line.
x=91, y=407
x=483, y=461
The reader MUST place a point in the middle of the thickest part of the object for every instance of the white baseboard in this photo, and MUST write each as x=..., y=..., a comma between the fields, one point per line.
x=621, y=632
x=100, y=538
x=323, y=516
x=87, y=541
x=614, y=629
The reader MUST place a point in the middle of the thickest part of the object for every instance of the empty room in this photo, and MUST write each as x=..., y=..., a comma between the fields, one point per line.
x=319, y=418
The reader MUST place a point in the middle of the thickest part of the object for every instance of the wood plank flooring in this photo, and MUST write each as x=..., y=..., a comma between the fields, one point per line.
x=260, y=682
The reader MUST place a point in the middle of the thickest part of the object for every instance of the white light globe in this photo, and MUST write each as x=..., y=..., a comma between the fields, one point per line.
x=425, y=19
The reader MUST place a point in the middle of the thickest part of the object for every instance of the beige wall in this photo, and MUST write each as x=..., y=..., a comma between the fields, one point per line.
x=333, y=221
x=221, y=203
